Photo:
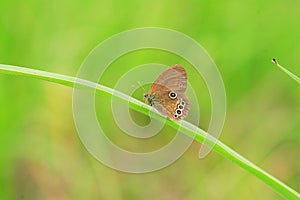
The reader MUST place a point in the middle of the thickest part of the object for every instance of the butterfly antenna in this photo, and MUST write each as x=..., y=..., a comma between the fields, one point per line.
x=142, y=86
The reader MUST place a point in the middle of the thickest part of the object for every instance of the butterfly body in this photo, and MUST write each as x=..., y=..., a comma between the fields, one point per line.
x=167, y=93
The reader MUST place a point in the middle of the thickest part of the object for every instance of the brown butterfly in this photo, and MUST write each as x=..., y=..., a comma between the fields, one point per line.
x=167, y=93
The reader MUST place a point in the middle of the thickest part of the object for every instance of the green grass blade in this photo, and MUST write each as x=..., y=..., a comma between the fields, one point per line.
x=185, y=127
x=293, y=76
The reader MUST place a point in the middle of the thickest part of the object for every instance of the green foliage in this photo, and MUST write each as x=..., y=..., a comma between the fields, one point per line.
x=37, y=133
x=185, y=127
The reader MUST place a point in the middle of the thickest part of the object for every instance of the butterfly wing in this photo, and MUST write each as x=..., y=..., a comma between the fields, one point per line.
x=175, y=109
x=174, y=79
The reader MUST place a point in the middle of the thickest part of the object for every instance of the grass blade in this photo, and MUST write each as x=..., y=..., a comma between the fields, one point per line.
x=293, y=76
x=185, y=127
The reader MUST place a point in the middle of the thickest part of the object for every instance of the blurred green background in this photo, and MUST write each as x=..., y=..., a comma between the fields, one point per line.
x=41, y=156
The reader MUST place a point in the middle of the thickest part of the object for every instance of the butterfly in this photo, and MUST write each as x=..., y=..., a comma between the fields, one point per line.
x=166, y=94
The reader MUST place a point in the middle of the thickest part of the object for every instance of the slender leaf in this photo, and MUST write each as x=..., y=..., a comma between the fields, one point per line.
x=185, y=127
